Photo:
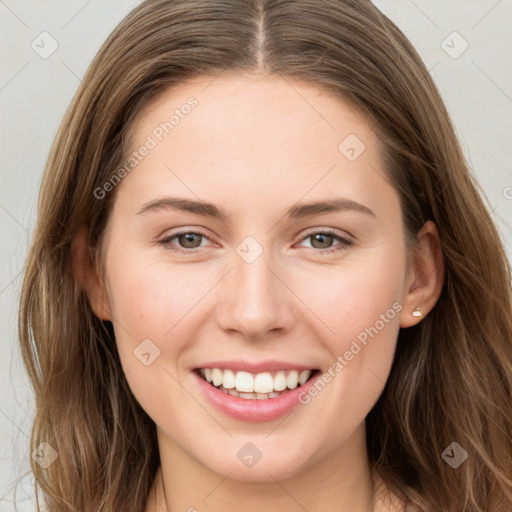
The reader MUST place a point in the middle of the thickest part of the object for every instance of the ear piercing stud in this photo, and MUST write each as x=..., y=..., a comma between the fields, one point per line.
x=416, y=312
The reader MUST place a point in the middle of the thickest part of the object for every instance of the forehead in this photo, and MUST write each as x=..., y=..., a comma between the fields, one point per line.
x=257, y=136
x=240, y=105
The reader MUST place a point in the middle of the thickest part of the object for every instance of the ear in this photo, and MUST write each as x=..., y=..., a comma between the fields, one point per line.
x=86, y=272
x=425, y=276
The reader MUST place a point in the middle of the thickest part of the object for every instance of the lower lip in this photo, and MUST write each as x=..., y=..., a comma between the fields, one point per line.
x=253, y=410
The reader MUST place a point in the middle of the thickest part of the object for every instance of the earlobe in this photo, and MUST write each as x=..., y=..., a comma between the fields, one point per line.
x=85, y=270
x=426, y=276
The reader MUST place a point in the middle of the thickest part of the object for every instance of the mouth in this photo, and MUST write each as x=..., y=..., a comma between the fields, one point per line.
x=255, y=386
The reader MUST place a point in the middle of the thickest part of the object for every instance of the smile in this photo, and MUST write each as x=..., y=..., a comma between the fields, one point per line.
x=253, y=391
x=255, y=386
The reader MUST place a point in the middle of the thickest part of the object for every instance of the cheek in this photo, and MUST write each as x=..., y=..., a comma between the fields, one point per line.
x=354, y=297
x=152, y=307
x=360, y=303
x=147, y=293
x=156, y=301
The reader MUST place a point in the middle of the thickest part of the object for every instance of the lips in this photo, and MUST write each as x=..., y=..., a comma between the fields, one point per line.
x=254, y=406
x=262, y=385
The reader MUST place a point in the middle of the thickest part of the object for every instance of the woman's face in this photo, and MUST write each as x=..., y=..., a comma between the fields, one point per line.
x=256, y=293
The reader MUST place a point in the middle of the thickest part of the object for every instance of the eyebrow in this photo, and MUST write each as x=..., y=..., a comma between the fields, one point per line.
x=299, y=210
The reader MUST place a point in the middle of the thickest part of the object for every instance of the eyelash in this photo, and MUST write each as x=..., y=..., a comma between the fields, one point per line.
x=344, y=242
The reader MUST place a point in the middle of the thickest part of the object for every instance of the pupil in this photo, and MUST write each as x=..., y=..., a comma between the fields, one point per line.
x=320, y=237
x=189, y=238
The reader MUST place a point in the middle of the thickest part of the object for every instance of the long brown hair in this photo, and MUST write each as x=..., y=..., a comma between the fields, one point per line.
x=451, y=380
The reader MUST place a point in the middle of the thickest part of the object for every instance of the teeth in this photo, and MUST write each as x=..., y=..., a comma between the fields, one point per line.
x=263, y=383
x=255, y=386
x=304, y=376
x=217, y=377
x=228, y=380
x=292, y=380
x=244, y=382
x=247, y=396
x=280, y=381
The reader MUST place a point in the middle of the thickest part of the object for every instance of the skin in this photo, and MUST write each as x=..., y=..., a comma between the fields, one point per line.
x=256, y=146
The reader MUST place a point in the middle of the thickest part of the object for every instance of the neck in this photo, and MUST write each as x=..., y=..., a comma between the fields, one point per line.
x=340, y=481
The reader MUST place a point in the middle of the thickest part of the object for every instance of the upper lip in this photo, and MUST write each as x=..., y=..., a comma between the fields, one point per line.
x=255, y=367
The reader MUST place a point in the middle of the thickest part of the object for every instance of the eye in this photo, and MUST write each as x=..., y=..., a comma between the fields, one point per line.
x=190, y=241
x=322, y=240
x=187, y=239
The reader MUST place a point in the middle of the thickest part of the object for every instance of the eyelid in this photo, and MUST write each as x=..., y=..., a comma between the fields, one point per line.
x=326, y=231
x=165, y=240
x=345, y=241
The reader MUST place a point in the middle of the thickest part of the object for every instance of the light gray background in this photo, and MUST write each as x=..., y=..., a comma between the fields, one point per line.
x=34, y=93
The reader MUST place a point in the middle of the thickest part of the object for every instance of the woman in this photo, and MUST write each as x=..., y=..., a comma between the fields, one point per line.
x=263, y=277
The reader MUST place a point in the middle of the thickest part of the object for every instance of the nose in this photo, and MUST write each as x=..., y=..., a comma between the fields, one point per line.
x=255, y=300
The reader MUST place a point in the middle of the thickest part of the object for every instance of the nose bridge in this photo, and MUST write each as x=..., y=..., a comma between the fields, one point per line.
x=254, y=281
x=256, y=301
